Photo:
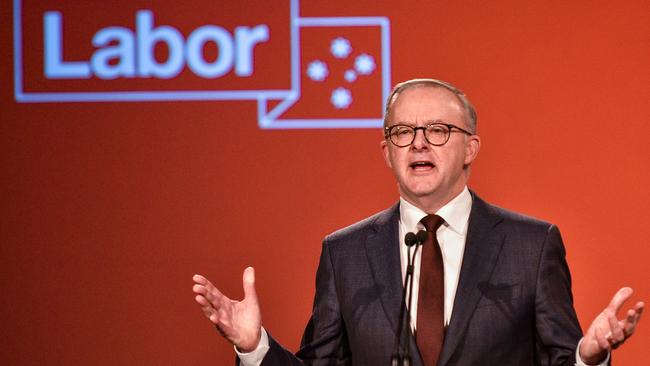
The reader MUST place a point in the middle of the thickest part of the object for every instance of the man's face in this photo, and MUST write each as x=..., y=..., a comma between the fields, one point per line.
x=430, y=175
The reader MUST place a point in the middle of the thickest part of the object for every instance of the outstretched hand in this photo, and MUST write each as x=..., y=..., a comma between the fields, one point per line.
x=606, y=332
x=240, y=322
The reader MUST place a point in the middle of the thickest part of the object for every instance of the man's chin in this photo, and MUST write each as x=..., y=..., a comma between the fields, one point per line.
x=417, y=193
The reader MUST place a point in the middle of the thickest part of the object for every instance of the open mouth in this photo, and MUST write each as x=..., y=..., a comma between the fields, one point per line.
x=421, y=165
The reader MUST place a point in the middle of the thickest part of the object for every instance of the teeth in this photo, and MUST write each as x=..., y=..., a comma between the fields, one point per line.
x=421, y=163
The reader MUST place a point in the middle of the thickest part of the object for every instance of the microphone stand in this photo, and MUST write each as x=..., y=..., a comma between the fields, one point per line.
x=400, y=358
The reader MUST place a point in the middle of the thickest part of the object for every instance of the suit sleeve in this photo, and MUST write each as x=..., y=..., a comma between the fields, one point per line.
x=558, y=330
x=325, y=339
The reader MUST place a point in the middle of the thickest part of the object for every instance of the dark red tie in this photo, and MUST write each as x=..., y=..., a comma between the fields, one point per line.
x=431, y=295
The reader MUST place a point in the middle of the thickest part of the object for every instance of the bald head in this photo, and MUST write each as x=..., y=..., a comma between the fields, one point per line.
x=470, y=112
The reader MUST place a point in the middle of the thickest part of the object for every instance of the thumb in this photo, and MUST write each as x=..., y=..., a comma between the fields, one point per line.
x=249, y=285
x=619, y=298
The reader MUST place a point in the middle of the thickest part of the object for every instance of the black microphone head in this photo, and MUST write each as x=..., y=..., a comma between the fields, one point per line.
x=421, y=236
x=410, y=239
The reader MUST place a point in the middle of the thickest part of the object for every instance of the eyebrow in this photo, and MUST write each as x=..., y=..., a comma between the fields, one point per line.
x=432, y=122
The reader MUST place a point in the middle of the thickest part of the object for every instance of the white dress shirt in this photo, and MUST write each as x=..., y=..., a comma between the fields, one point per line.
x=451, y=235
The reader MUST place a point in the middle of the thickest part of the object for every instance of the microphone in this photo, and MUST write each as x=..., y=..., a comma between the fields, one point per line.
x=397, y=359
x=421, y=236
x=410, y=239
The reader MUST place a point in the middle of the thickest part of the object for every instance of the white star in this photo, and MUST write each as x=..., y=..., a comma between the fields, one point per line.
x=350, y=76
x=317, y=70
x=364, y=64
x=341, y=98
x=340, y=47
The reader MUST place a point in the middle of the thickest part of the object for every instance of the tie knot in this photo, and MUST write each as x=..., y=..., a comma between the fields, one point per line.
x=432, y=222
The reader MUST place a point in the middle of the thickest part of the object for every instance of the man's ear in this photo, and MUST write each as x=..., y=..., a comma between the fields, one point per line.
x=472, y=147
x=384, y=149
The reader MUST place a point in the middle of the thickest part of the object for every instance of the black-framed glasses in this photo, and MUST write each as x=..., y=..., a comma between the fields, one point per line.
x=436, y=133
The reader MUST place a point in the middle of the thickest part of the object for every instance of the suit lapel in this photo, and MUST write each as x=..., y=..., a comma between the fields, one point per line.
x=382, y=249
x=482, y=249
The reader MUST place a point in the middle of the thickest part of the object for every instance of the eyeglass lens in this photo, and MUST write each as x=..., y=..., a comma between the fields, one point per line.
x=435, y=134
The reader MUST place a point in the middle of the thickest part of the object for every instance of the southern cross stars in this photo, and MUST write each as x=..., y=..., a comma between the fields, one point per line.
x=341, y=98
x=340, y=49
x=317, y=70
x=364, y=64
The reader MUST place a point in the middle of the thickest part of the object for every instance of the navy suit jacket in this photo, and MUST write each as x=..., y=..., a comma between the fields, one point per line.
x=513, y=304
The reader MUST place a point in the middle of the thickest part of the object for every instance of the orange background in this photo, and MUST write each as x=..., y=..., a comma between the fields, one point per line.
x=108, y=209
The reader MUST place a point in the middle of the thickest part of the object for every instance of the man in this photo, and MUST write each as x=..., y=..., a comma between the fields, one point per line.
x=503, y=297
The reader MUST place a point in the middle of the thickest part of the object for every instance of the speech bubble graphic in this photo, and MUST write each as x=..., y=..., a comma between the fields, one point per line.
x=338, y=67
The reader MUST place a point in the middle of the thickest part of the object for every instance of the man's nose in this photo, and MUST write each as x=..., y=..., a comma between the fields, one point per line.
x=419, y=141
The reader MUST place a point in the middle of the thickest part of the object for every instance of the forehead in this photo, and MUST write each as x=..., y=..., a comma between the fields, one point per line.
x=426, y=103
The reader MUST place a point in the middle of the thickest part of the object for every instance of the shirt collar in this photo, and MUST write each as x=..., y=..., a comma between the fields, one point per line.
x=455, y=213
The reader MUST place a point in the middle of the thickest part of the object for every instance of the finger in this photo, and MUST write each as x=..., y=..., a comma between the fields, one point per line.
x=199, y=279
x=249, y=285
x=633, y=317
x=199, y=289
x=214, y=318
x=630, y=322
x=619, y=298
x=223, y=321
x=204, y=282
x=639, y=307
x=203, y=302
x=202, y=285
x=213, y=292
x=602, y=341
x=210, y=292
x=206, y=307
x=214, y=296
x=615, y=329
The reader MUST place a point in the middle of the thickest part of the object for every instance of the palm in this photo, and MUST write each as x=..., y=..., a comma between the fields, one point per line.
x=606, y=332
x=238, y=321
